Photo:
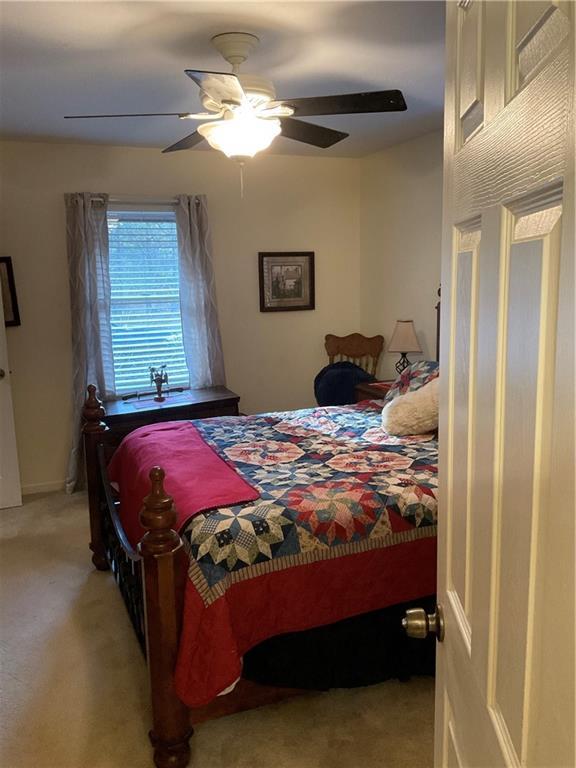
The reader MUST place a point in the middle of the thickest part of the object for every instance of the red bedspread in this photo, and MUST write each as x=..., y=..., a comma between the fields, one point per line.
x=185, y=457
x=216, y=636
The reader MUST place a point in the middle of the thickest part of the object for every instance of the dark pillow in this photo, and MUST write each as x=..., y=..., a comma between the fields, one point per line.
x=335, y=384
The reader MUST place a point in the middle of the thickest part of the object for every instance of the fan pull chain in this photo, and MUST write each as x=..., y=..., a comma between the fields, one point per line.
x=241, y=164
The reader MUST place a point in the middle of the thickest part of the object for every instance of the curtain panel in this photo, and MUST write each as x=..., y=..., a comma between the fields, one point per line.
x=92, y=360
x=200, y=328
x=90, y=297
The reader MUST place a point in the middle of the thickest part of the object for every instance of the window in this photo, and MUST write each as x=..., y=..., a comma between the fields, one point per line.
x=145, y=298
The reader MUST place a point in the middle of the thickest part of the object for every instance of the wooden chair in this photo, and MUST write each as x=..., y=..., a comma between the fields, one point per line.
x=365, y=351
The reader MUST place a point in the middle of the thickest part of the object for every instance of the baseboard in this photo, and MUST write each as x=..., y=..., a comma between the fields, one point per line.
x=53, y=485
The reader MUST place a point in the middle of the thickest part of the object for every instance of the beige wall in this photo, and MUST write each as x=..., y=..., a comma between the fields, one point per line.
x=374, y=225
x=400, y=224
x=290, y=203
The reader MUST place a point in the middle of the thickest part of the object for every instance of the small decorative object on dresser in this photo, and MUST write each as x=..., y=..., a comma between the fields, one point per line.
x=404, y=340
x=286, y=281
x=8, y=288
x=158, y=377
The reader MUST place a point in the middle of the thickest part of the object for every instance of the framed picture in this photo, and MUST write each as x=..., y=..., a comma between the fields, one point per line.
x=8, y=287
x=286, y=281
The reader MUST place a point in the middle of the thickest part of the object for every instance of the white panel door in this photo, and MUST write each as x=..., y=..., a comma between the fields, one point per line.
x=10, y=492
x=505, y=675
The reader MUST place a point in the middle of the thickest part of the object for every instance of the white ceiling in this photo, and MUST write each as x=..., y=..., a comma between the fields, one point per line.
x=59, y=58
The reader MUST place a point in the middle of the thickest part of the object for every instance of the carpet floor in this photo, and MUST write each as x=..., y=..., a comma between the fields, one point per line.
x=74, y=686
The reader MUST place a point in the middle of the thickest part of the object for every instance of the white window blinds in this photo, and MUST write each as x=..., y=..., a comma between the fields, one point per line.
x=145, y=298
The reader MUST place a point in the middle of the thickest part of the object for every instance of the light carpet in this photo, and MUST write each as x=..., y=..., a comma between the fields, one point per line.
x=74, y=686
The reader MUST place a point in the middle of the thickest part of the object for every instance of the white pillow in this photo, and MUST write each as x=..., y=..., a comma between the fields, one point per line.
x=413, y=413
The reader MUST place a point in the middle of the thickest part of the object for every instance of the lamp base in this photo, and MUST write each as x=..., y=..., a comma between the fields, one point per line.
x=402, y=363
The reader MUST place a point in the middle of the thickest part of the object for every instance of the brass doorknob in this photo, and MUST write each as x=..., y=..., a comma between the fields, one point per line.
x=418, y=623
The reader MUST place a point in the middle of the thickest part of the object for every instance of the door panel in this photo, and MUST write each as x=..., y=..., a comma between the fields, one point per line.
x=506, y=316
x=552, y=712
x=539, y=28
x=515, y=508
x=527, y=14
x=453, y=758
x=467, y=242
x=483, y=171
x=530, y=317
x=471, y=71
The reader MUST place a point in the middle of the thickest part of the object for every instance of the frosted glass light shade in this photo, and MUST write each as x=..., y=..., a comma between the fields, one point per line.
x=404, y=338
x=243, y=135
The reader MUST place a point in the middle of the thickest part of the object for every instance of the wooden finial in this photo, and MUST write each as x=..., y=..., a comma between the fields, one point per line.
x=158, y=516
x=93, y=412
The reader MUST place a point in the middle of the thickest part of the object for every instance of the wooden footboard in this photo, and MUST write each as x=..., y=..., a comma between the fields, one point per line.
x=151, y=579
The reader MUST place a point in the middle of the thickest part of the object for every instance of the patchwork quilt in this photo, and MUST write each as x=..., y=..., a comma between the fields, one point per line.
x=345, y=523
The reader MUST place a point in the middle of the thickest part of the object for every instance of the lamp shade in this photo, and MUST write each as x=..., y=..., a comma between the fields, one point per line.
x=404, y=338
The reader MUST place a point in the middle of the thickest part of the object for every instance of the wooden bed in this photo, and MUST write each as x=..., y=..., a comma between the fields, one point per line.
x=152, y=579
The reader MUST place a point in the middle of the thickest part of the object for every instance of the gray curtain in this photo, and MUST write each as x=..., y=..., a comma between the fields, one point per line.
x=87, y=244
x=200, y=329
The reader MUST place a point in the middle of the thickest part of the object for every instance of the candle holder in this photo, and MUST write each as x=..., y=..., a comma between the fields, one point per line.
x=159, y=377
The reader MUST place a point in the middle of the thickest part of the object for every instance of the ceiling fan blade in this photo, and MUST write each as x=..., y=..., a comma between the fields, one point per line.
x=309, y=133
x=186, y=143
x=140, y=114
x=348, y=103
x=222, y=87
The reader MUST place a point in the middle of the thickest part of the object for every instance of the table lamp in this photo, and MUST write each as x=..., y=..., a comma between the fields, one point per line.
x=404, y=340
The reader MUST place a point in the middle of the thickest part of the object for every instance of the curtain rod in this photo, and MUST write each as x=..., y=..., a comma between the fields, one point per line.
x=141, y=201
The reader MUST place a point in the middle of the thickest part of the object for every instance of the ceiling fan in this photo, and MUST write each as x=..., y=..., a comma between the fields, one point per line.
x=243, y=115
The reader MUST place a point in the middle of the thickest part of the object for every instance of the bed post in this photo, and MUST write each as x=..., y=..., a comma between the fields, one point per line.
x=164, y=572
x=92, y=429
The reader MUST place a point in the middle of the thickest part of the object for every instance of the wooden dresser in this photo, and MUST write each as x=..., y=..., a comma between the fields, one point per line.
x=122, y=416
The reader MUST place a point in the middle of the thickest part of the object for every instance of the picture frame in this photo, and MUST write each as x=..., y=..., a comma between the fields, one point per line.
x=286, y=281
x=8, y=288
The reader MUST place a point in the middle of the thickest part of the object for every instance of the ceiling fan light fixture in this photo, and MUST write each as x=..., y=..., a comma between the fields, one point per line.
x=252, y=116
x=243, y=134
